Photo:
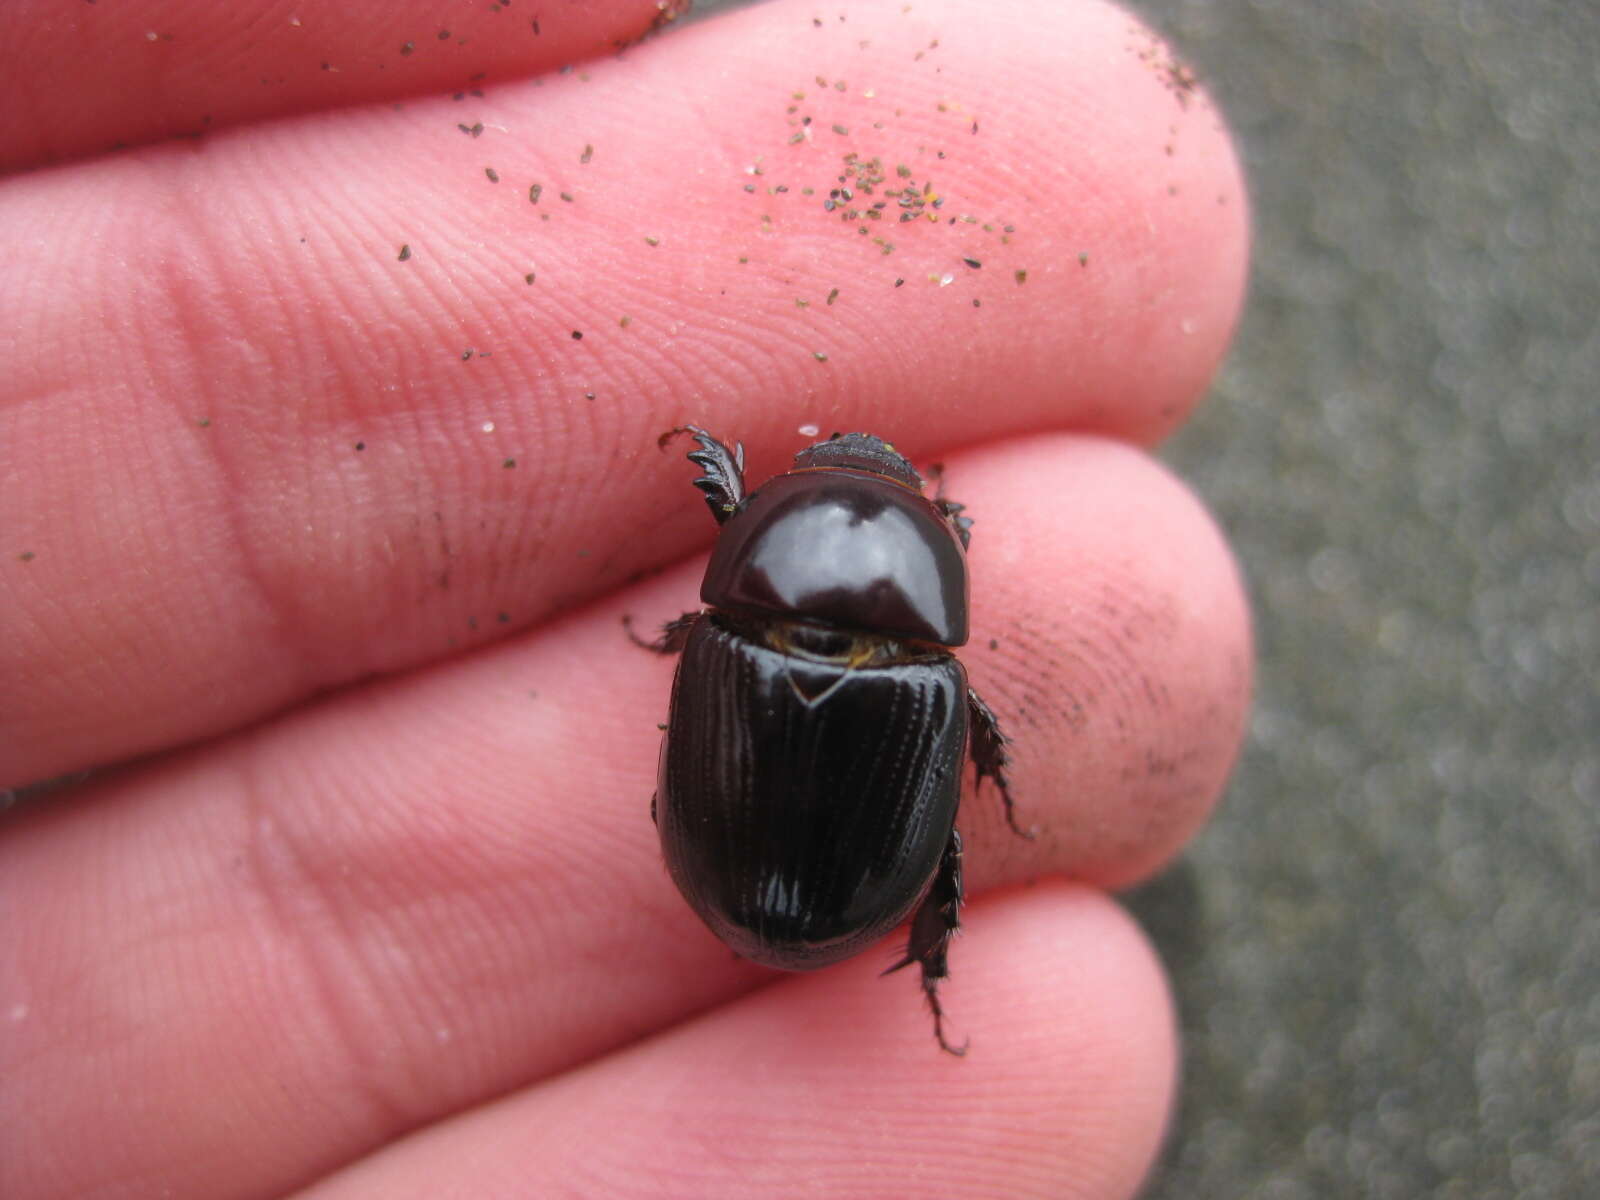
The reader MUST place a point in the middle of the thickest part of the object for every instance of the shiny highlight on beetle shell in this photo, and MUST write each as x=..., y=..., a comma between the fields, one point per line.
x=815, y=830
x=846, y=549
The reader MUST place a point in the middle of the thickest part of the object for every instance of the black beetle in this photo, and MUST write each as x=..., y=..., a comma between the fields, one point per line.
x=811, y=767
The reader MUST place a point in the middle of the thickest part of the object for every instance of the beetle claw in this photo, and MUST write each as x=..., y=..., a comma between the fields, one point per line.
x=938, y=1030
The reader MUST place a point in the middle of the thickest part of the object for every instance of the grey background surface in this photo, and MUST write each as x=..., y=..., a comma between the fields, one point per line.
x=1386, y=948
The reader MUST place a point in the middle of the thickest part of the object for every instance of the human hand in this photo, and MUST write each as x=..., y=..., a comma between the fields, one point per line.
x=414, y=937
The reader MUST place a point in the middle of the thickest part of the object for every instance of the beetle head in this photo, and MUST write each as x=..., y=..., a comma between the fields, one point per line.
x=859, y=452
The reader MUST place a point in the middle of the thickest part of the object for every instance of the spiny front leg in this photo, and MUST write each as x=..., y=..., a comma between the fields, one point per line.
x=989, y=757
x=674, y=634
x=937, y=920
x=723, y=481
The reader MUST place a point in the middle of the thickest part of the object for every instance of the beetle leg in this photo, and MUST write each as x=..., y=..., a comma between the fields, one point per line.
x=949, y=509
x=674, y=634
x=952, y=513
x=723, y=481
x=989, y=757
x=937, y=920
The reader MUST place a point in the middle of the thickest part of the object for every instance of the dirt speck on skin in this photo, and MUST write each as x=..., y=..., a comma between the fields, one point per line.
x=880, y=185
x=1173, y=73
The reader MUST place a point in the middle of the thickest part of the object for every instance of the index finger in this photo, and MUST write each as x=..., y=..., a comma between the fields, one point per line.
x=257, y=450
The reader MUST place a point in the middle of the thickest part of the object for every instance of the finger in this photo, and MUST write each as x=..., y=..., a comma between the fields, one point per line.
x=102, y=76
x=817, y=1086
x=428, y=891
x=245, y=460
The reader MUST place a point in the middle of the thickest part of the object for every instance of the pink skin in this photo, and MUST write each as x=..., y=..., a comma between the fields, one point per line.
x=99, y=79
x=326, y=943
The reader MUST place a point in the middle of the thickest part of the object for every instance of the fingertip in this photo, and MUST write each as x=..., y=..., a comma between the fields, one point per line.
x=1088, y=194
x=1112, y=635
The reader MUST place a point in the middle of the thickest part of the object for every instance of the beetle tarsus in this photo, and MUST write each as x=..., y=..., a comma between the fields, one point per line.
x=938, y=1025
x=674, y=634
x=723, y=481
x=937, y=920
x=989, y=758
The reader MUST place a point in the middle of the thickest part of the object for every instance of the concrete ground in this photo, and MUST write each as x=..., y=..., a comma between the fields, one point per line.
x=1387, y=947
